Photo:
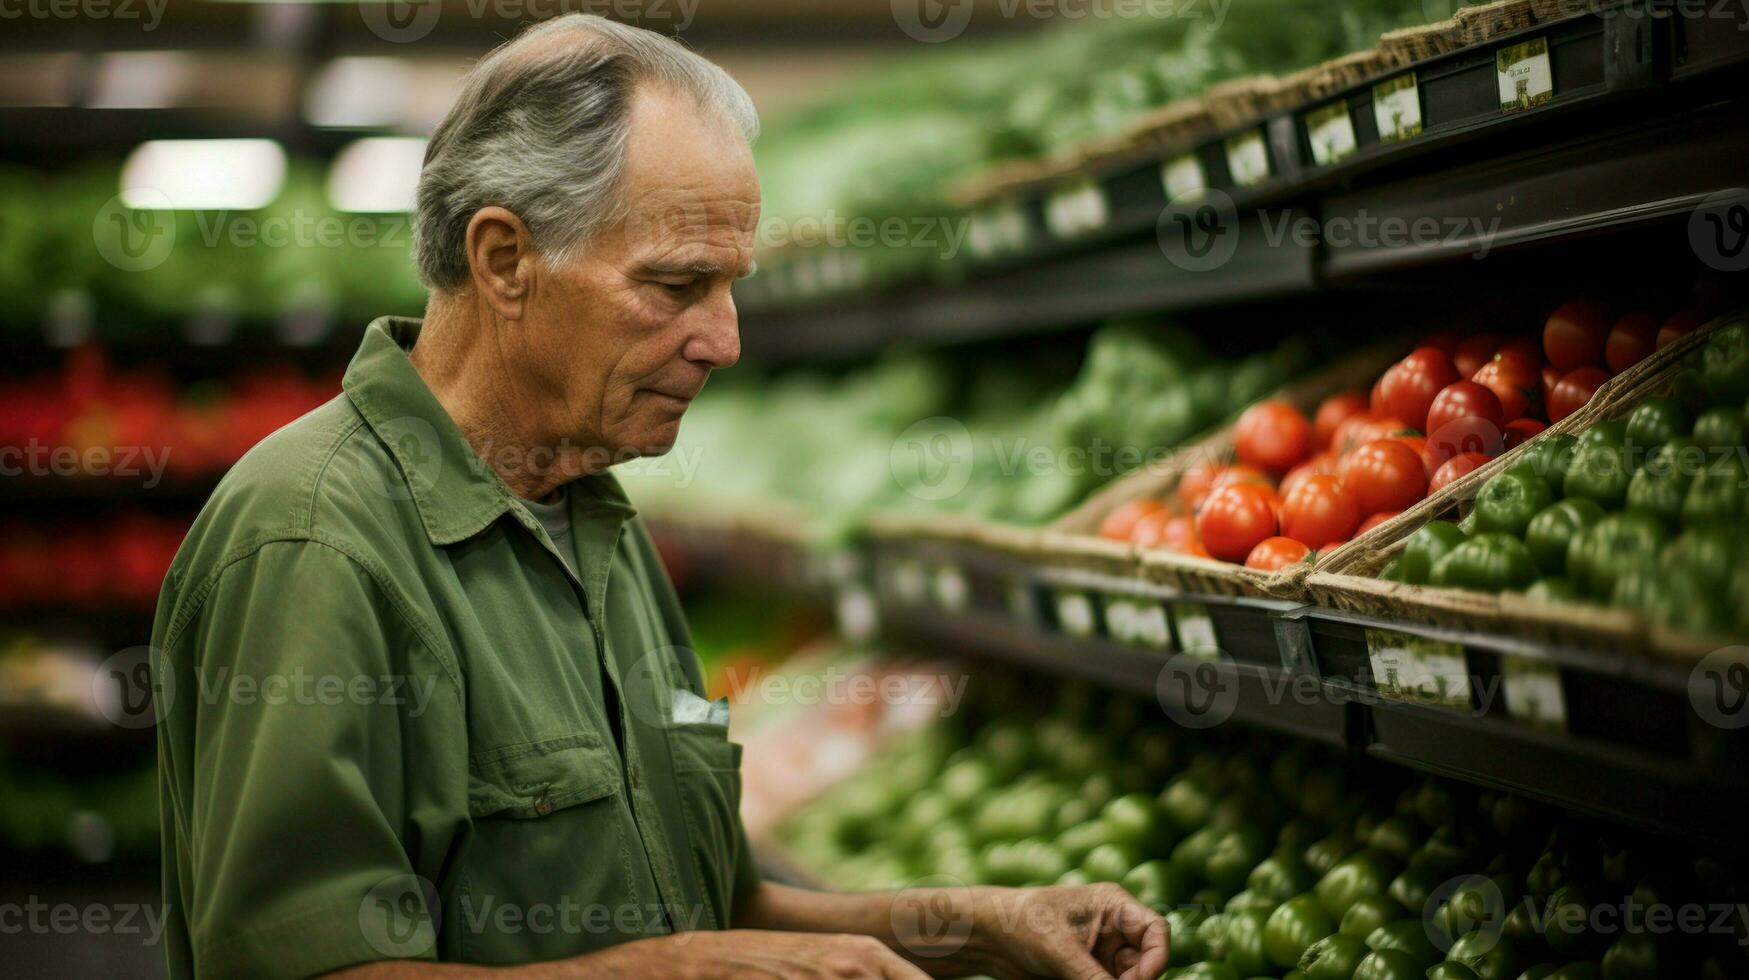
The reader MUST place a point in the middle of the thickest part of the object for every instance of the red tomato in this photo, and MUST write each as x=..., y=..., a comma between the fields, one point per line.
x=1384, y=474
x=1453, y=468
x=1375, y=399
x=1574, y=335
x=1318, y=511
x=1518, y=385
x=1573, y=390
x=1275, y=554
x=1273, y=436
x=1389, y=428
x=1241, y=473
x=1409, y=387
x=1518, y=430
x=1466, y=417
x=1332, y=413
x=1419, y=444
x=1149, y=531
x=1630, y=340
x=1679, y=325
x=1194, y=485
x=1475, y=352
x=1374, y=521
x=1180, y=536
x=1524, y=350
x=1121, y=522
x=1348, y=433
x=1323, y=464
x=1236, y=519
x=1444, y=341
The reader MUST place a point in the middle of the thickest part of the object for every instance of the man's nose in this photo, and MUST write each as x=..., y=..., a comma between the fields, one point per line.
x=718, y=343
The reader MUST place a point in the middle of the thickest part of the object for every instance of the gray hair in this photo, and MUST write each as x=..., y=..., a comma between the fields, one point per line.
x=540, y=128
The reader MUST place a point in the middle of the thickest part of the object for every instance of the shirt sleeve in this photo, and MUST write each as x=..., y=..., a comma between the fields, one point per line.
x=284, y=757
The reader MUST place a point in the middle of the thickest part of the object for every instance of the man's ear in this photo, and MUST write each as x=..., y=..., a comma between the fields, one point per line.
x=501, y=260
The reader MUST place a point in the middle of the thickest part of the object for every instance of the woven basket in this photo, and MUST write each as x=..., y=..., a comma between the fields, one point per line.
x=1349, y=580
x=1478, y=24
x=1239, y=101
x=1412, y=44
x=1343, y=73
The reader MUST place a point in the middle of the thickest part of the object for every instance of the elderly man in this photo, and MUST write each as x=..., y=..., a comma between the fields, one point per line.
x=427, y=704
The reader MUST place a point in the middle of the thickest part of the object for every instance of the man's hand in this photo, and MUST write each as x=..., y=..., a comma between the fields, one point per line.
x=1081, y=932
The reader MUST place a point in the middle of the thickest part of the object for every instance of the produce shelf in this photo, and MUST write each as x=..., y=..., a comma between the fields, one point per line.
x=1645, y=121
x=1611, y=735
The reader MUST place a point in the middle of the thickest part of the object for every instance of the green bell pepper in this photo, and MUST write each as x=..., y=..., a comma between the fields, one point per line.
x=1362, y=875
x=1333, y=958
x=1655, y=422
x=1367, y=914
x=1486, y=562
x=1551, y=532
x=1719, y=430
x=1293, y=927
x=1599, y=472
x=1617, y=542
x=1433, y=541
x=1390, y=964
x=1509, y=501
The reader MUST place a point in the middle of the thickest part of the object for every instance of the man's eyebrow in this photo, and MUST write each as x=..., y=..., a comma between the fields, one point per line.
x=703, y=270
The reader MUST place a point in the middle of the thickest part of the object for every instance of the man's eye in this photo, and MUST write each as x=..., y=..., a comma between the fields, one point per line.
x=679, y=288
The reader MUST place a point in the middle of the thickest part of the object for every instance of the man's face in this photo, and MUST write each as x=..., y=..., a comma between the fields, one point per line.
x=622, y=336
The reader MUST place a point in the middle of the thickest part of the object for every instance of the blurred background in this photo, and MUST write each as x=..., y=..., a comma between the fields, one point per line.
x=972, y=213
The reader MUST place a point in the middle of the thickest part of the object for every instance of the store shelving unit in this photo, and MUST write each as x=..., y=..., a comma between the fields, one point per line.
x=1646, y=123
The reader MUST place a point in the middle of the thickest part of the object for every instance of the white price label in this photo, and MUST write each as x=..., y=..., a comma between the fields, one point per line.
x=950, y=588
x=1077, y=209
x=1196, y=630
x=858, y=618
x=909, y=582
x=997, y=230
x=1183, y=177
x=1396, y=108
x=1526, y=80
x=1075, y=614
x=1137, y=622
x=1411, y=668
x=1248, y=158
x=1331, y=132
x=1533, y=692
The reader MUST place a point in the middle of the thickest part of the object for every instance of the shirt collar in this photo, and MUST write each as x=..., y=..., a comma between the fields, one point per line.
x=457, y=494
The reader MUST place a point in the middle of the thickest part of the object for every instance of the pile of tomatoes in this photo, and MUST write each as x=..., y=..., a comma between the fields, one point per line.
x=1303, y=485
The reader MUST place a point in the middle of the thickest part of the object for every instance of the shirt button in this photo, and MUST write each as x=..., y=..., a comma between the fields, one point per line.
x=543, y=806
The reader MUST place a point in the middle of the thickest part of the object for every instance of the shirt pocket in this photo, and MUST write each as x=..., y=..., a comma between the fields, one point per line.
x=547, y=870
x=707, y=769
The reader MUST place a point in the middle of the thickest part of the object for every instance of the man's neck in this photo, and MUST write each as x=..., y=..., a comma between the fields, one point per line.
x=458, y=362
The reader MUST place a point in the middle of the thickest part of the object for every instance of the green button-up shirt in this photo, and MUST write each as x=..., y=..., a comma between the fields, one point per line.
x=394, y=724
